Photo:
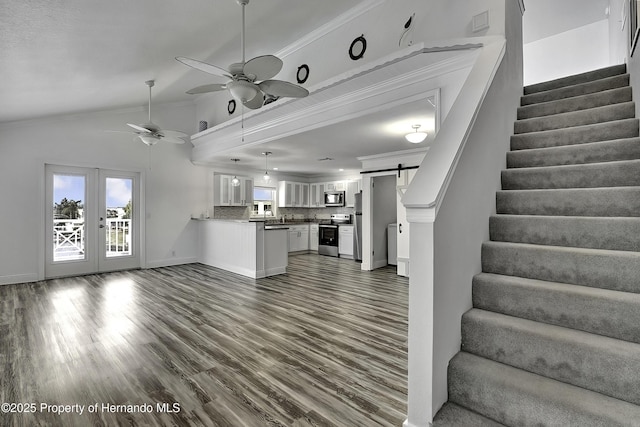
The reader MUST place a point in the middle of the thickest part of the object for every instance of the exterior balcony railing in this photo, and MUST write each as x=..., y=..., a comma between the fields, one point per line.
x=69, y=238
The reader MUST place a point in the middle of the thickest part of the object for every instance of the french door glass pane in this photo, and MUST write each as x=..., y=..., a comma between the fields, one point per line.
x=118, y=224
x=68, y=217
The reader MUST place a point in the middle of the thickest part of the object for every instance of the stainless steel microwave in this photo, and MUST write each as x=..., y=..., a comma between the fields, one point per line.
x=334, y=198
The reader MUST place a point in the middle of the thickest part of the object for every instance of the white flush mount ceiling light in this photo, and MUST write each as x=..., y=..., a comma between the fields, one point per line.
x=235, y=181
x=266, y=176
x=416, y=137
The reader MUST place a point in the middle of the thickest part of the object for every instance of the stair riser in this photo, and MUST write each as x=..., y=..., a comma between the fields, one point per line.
x=606, y=202
x=608, y=113
x=578, y=135
x=599, y=311
x=581, y=78
x=578, y=103
x=593, y=362
x=595, y=152
x=618, y=234
x=615, y=270
x=610, y=174
x=517, y=398
x=576, y=90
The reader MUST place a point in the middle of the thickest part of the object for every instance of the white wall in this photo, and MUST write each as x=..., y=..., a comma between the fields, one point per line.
x=618, y=31
x=174, y=187
x=382, y=26
x=582, y=49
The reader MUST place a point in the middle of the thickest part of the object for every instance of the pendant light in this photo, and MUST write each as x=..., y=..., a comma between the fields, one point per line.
x=416, y=137
x=235, y=181
x=266, y=176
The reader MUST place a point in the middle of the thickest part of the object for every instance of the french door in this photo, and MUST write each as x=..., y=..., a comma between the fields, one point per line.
x=92, y=220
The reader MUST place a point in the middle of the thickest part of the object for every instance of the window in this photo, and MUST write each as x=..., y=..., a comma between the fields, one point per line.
x=263, y=201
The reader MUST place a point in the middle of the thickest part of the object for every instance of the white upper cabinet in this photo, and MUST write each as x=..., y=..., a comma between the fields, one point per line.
x=225, y=194
x=293, y=194
x=317, y=195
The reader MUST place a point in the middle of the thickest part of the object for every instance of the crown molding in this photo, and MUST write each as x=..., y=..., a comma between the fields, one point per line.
x=327, y=28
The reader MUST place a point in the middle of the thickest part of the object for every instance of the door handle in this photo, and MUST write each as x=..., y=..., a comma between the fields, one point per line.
x=101, y=226
x=400, y=228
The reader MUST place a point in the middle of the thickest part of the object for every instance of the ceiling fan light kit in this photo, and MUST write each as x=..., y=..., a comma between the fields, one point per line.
x=416, y=137
x=250, y=81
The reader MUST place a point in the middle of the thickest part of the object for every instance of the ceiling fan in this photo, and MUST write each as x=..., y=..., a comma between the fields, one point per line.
x=250, y=82
x=150, y=133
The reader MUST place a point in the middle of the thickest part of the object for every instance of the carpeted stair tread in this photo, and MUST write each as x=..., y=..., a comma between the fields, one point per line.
x=515, y=397
x=606, y=131
x=564, y=92
x=576, y=103
x=452, y=415
x=555, y=324
x=607, y=113
x=606, y=202
x=599, y=268
x=624, y=173
x=585, y=77
x=612, y=233
x=594, y=362
x=591, y=152
x=600, y=311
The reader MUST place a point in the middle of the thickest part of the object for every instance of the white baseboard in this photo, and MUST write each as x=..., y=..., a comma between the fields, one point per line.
x=18, y=278
x=406, y=423
x=170, y=261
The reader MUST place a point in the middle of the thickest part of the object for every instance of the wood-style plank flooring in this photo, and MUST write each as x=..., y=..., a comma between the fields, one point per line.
x=323, y=345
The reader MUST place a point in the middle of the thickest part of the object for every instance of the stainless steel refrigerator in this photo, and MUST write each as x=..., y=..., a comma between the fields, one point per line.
x=357, y=228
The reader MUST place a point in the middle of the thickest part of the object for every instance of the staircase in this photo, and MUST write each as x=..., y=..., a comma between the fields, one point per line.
x=553, y=338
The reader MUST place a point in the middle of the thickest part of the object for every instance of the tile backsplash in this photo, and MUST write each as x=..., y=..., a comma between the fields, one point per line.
x=233, y=212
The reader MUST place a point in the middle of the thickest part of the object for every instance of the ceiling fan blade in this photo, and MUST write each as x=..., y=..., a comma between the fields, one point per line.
x=262, y=67
x=256, y=102
x=165, y=134
x=203, y=66
x=282, y=88
x=172, y=139
x=139, y=128
x=215, y=87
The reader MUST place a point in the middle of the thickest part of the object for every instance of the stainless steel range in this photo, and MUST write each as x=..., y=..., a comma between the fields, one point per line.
x=328, y=234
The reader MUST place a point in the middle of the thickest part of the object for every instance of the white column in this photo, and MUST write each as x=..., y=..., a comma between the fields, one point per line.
x=420, y=406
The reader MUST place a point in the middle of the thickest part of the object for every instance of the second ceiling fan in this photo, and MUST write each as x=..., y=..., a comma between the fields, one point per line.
x=251, y=81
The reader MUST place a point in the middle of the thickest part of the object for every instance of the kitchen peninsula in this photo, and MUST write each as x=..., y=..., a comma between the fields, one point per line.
x=250, y=248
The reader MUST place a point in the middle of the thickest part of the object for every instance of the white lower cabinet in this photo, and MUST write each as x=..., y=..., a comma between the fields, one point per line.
x=345, y=241
x=299, y=238
x=313, y=237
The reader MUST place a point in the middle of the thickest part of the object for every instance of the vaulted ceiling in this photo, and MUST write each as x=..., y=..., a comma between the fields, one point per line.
x=61, y=57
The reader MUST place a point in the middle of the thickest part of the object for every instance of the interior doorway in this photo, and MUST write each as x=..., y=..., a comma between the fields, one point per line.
x=383, y=214
x=92, y=220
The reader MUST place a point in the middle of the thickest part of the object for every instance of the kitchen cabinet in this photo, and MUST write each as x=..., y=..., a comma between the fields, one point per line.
x=350, y=194
x=314, y=230
x=293, y=194
x=299, y=238
x=225, y=194
x=345, y=241
x=335, y=186
x=316, y=191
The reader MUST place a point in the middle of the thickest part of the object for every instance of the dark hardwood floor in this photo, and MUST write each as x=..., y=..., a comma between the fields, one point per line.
x=323, y=345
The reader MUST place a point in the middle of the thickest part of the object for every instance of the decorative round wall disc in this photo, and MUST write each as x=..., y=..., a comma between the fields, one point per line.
x=303, y=73
x=357, y=48
x=231, y=107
